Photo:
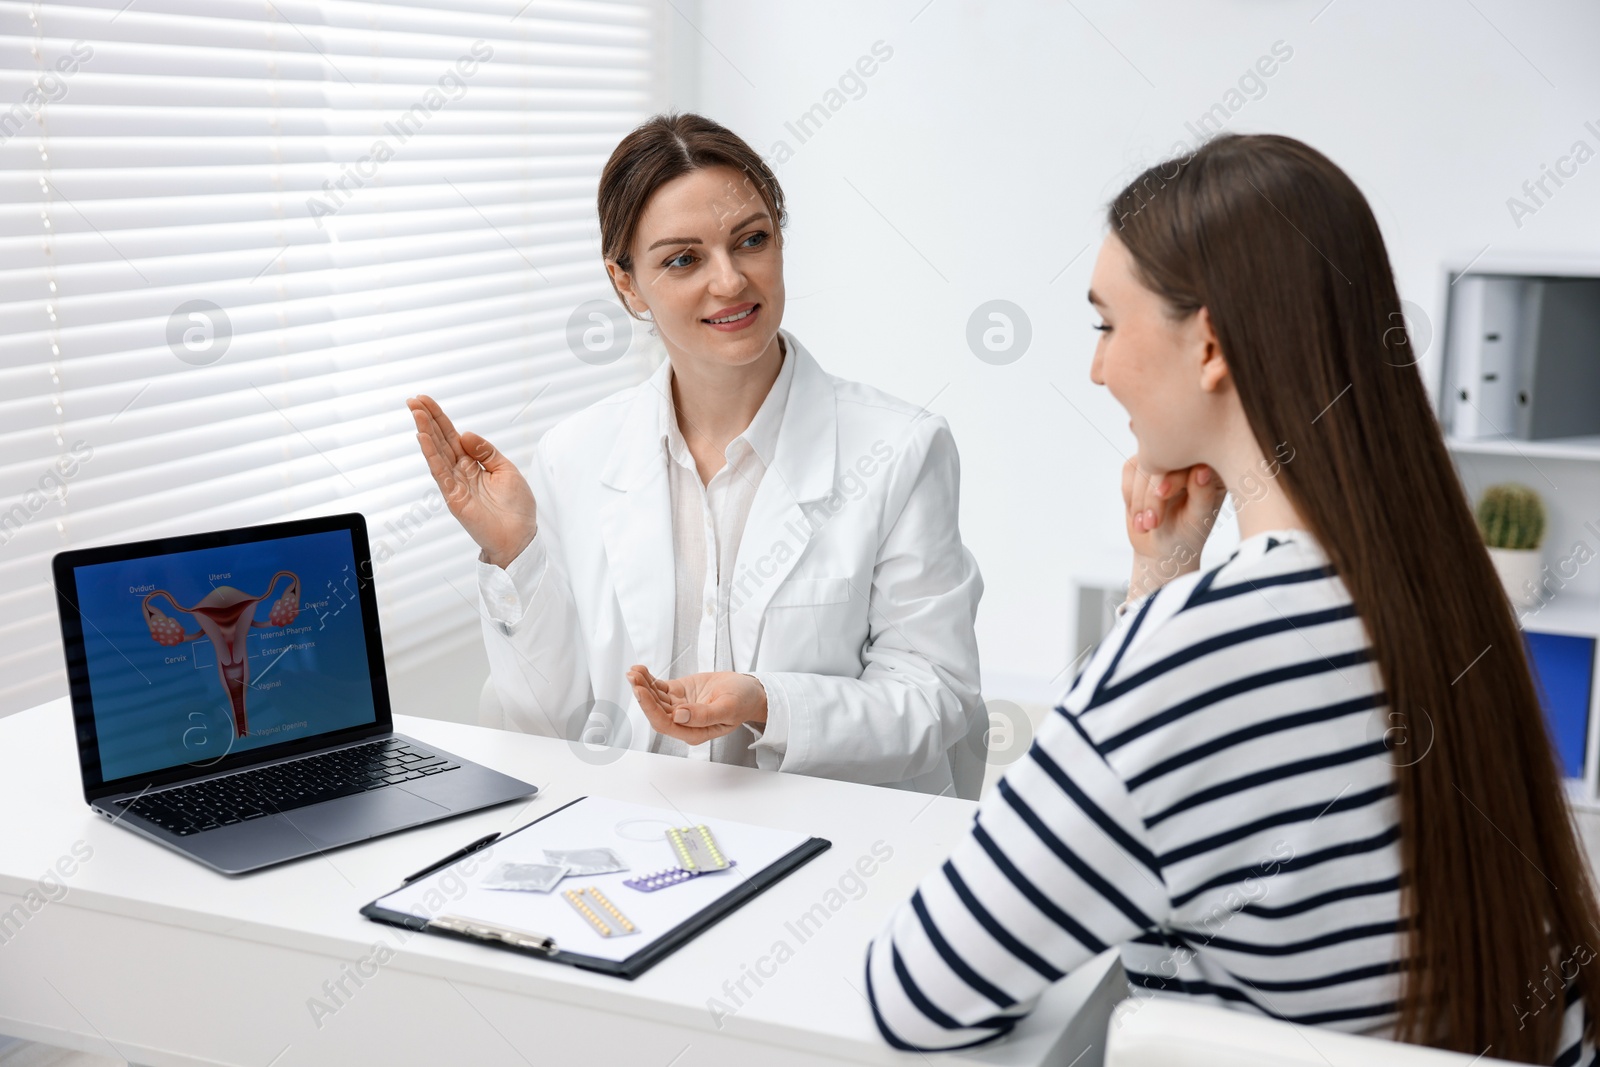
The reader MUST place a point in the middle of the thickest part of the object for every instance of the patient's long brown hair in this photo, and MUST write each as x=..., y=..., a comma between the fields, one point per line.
x=1282, y=249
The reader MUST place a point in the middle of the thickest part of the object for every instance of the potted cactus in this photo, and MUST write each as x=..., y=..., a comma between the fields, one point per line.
x=1511, y=517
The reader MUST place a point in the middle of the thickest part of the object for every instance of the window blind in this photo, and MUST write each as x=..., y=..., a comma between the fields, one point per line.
x=235, y=235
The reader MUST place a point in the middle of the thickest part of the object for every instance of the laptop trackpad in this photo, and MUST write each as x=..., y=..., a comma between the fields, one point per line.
x=356, y=818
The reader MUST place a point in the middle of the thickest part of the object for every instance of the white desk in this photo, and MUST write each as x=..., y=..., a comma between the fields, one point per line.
x=148, y=956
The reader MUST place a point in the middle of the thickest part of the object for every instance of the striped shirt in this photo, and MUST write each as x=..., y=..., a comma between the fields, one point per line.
x=1215, y=797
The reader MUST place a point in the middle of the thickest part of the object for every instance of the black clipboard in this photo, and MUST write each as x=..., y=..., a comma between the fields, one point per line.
x=641, y=961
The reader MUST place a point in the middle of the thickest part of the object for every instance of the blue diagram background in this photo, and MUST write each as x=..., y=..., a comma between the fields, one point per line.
x=151, y=714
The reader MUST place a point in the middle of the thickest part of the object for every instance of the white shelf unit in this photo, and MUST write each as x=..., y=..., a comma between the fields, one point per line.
x=1582, y=449
x=1565, y=471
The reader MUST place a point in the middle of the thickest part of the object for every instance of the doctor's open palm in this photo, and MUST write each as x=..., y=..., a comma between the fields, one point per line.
x=483, y=489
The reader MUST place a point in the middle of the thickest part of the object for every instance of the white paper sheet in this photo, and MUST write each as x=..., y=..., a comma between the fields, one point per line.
x=638, y=833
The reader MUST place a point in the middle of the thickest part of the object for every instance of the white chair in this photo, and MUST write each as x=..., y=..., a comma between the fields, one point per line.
x=1168, y=1031
x=491, y=712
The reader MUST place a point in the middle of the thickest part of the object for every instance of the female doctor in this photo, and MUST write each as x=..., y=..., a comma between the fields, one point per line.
x=743, y=559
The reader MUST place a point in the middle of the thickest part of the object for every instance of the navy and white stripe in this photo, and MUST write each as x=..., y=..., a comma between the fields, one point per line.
x=1214, y=797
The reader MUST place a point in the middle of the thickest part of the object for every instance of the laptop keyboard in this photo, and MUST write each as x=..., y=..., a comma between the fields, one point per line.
x=191, y=809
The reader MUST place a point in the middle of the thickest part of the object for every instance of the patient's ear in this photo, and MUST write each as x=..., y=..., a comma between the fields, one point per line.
x=1213, y=365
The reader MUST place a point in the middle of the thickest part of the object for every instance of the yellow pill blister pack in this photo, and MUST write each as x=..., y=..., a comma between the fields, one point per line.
x=603, y=915
x=696, y=849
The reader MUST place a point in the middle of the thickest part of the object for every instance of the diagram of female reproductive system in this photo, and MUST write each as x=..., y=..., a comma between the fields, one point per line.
x=227, y=616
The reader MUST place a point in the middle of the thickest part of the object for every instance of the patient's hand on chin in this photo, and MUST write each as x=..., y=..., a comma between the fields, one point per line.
x=698, y=707
x=1168, y=515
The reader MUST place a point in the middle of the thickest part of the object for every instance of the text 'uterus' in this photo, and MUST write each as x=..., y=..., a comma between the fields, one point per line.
x=227, y=616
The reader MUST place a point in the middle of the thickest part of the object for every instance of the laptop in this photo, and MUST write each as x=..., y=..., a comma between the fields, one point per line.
x=230, y=698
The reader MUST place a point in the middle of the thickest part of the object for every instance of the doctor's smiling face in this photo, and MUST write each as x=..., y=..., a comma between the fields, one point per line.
x=707, y=263
x=1165, y=368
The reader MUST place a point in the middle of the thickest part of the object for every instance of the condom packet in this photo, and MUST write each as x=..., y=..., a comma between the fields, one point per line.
x=527, y=877
x=586, y=861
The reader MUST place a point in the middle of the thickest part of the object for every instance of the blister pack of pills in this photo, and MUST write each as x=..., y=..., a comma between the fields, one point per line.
x=696, y=849
x=649, y=883
x=606, y=918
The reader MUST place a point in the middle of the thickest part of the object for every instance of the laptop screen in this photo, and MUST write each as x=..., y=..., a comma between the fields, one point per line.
x=193, y=656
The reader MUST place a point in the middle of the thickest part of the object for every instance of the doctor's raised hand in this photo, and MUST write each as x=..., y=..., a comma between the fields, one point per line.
x=481, y=486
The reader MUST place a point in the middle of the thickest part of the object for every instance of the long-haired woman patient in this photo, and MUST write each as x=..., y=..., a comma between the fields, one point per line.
x=743, y=559
x=1314, y=781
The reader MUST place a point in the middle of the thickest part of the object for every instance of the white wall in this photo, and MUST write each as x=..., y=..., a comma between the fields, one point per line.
x=977, y=161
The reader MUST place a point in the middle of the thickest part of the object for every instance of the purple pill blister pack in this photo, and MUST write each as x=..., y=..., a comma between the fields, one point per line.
x=649, y=883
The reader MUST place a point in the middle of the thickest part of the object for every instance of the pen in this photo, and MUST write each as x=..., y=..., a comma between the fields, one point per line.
x=482, y=842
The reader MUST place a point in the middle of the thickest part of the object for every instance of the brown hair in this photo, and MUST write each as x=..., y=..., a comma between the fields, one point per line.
x=663, y=148
x=1282, y=249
